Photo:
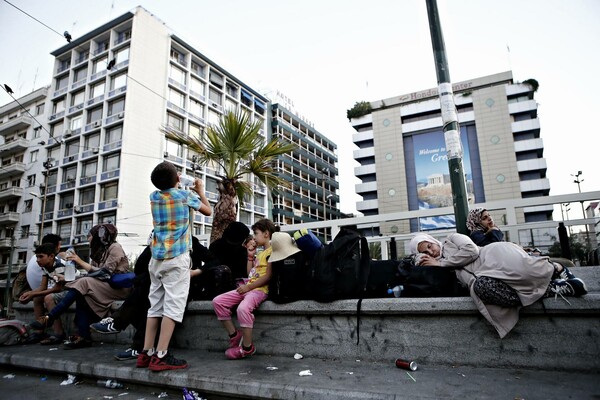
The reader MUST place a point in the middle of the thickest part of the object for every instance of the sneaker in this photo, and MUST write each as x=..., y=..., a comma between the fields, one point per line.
x=107, y=325
x=128, y=354
x=77, y=342
x=167, y=362
x=235, y=353
x=571, y=287
x=566, y=274
x=236, y=340
x=42, y=323
x=143, y=360
x=578, y=286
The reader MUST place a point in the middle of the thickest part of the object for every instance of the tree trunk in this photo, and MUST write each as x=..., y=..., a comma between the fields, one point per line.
x=225, y=211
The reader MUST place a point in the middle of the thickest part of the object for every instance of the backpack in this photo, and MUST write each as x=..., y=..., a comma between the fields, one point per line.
x=288, y=279
x=13, y=331
x=340, y=269
x=213, y=281
x=307, y=242
x=20, y=285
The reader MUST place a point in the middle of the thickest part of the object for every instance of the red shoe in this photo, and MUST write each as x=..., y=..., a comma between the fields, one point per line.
x=236, y=353
x=143, y=360
x=167, y=362
x=236, y=340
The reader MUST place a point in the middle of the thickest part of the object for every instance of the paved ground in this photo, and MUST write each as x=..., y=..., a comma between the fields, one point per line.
x=279, y=377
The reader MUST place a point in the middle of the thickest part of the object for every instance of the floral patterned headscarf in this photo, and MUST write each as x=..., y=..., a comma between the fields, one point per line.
x=103, y=235
x=474, y=219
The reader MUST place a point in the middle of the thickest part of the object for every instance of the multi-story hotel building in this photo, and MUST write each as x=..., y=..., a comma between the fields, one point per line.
x=403, y=163
x=311, y=171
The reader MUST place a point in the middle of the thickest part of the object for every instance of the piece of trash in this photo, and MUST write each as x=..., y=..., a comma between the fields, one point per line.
x=9, y=376
x=107, y=397
x=112, y=384
x=53, y=349
x=122, y=394
x=357, y=360
x=411, y=377
x=191, y=395
x=306, y=372
x=71, y=379
x=272, y=368
x=44, y=378
x=163, y=395
x=463, y=375
x=350, y=373
x=298, y=356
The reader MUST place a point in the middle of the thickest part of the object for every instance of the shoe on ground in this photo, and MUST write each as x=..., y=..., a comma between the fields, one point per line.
x=42, y=323
x=129, y=354
x=107, y=325
x=143, y=360
x=166, y=363
x=579, y=288
x=236, y=340
x=77, y=342
x=571, y=287
x=53, y=339
x=236, y=353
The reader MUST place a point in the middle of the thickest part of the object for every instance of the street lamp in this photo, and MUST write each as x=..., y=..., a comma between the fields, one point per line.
x=578, y=182
x=49, y=163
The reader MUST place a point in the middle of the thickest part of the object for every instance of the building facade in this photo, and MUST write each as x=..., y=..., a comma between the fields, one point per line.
x=402, y=156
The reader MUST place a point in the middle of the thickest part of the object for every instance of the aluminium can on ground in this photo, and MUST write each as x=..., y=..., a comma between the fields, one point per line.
x=406, y=364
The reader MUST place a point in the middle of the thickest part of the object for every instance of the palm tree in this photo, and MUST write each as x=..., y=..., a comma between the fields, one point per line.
x=237, y=147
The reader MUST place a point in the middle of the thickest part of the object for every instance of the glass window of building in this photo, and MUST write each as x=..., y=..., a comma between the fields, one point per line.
x=86, y=196
x=197, y=86
x=69, y=174
x=177, y=74
x=230, y=105
x=109, y=191
x=111, y=163
x=72, y=148
x=97, y=90
x=80, y=74
x=215, y=96
x=57, y=129
x=30, y=180
x=91, y=142
x=52, y=178
x=108, y=218
x=199, y=69
x=195, y=131
x=37, y=132
x=196, y=108
x=175, y=122
x=58, y=106
x=118, y=81
x=33, y=156
x=100, y=64
x=122, y=55
x=62, y=83
x=232, y=90
x=114, y=134
x=83, y=225
x=117, y=106
x=94, y=115
x=64, y=229
x=213, y=117
x=211, y=185
x=245, y=217
x=39, y=109
x=216, y=79
x=174, y=148
x=89, y=168
x=77, y=98
x=28, y=205
x=54, y=153
x=66, y=201
x=75, y=122
x=176, y=98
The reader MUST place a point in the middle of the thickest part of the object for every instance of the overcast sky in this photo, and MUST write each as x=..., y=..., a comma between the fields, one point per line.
x=327, y=54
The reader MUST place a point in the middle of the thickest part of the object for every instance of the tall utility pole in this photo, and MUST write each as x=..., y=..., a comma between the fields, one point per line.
x=8, y=287
x=47, y=164
x=450, y=121
x=587, y=232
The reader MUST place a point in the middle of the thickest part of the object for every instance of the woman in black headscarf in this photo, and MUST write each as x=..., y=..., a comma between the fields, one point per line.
x=93, y=293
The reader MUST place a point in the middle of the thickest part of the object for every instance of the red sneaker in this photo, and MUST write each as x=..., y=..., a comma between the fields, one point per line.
x=236, y=340
x=143, y=360
x=167, y=362
x=235, y=353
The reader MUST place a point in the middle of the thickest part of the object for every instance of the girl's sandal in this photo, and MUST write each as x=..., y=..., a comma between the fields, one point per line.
x=53, y=339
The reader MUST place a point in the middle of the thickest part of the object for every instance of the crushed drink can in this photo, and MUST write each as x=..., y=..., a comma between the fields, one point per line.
x=406, y=364
x=186, y=180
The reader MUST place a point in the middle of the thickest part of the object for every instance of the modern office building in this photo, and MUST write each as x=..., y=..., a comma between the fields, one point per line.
x=22, y=135
x=311, y=171
x=402, y=156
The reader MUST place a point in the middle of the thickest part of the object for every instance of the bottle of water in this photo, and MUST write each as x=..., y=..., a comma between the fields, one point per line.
x=70, y=270
x=186, y=181
x=396, y=290
x=110, y=384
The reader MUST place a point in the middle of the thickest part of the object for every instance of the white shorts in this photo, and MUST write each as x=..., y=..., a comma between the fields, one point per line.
x=169, y=287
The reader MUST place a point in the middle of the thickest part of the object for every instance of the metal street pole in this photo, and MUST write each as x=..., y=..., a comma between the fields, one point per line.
x=8, y=287
x=587, y=232
x=450, y=121
x=47, y=164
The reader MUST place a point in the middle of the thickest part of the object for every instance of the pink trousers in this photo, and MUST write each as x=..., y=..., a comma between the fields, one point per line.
x=247, y=303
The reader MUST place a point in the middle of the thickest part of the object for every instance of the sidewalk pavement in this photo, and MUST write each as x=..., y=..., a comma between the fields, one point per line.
x=271, y=377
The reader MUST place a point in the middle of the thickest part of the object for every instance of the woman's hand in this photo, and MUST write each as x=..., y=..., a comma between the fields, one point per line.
x=75, y=258
x=25, y=298
x=427, y=260
x=243, y=289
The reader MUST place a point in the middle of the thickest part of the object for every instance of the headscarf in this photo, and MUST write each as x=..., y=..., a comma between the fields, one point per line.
x=421, y=237
x=103, y=235
x=474, y=219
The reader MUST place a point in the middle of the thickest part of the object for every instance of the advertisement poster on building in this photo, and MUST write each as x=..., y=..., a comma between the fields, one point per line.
x=433, y=178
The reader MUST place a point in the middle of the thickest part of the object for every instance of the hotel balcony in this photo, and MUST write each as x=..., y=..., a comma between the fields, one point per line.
x=527, y=125
x=522, y=106
x=12, y=169
x=535, y=185
x=367, y=205
x=19, y=123
x=529, y=145
x=538, y=164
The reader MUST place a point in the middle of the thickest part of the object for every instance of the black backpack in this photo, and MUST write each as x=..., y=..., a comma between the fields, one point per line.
x=213, y=281
x=288, y=279
x=340, y=269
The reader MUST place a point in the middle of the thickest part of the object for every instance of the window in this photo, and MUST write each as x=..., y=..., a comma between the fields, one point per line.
x=232, y=90
x=176, y=98
x=108, y=218
x=54, y=152
x=80, y=74
x=195, y=131
x=64, y=230
x=83, y=226
x=122, y=55
x=86, y=196
x=211, y=185
x=92, y=141
x=72, y=148
x=215, y=96
x=199, y=69
x=33, y=156
x=39, y=109
x=114, y=134
x=177, y=74
x=89, y=169
x=30, y=180
x=118, y=81
x=24, y=231
x=245, y=217
x=216, y=79
x=58, y=106
x=174, y=148
x=197, y=86
x=174, y=122
x=109, y=191
x=116, y=106
x=49, y=204
x=57, y=129
x=77, y=98
x=196, y=108
x=37, y=132
x=66, y=201
x=99, y=64
x=76, y=123
x=69, y=174
x=62, y=83
x=97, y=90
x=213, y=117
x=94, y=115
x=111, y=163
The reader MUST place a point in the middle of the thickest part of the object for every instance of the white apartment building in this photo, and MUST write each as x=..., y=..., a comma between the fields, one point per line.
x=402, y=156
